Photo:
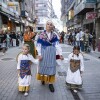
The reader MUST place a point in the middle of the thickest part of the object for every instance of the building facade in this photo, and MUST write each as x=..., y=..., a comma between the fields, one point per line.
x=84, y=14
x=64, y=14
x=44, y=11
x=98, y=20
x=9, y=16
x=16, y=14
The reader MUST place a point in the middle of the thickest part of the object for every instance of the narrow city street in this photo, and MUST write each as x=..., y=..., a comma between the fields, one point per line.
x=9, y=86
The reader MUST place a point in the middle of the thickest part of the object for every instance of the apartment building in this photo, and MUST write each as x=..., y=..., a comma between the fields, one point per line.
x=44, y=11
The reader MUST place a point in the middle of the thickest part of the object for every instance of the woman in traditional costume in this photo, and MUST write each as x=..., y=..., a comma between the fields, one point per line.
x=29, y=39
x=47, y=44
x=25, y=59
x=75, y=69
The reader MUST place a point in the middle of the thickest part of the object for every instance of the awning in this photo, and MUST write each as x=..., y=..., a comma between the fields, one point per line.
x=4, y=13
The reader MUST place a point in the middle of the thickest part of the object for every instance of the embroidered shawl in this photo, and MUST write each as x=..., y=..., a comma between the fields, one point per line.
x=45, y=41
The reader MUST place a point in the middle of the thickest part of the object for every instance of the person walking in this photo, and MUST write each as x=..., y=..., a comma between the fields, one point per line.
x=24, y=60
x=29, y=39
x=94, y=41
x=75, y=69
x=81, y=40
x=47, y=44
x=3, y=38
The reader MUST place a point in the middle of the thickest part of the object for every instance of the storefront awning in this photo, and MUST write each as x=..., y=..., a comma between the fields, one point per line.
x=3, y=13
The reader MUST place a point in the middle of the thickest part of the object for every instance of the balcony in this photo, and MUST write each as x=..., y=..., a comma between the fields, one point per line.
x=85, y=6
x=70, y=4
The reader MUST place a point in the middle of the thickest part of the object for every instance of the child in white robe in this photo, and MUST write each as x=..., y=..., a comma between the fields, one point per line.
x=25, y=59
x=75, y=69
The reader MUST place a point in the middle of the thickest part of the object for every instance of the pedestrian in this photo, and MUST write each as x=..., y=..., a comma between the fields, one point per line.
x=13, y=39
x=75, y=69
x=47, y=45
x=3, y=38
x=81, y=34
x=77, y=37
x=87, y=47
x=62, y=36
x=94, y=41
x=25, y=59
x=8, y=40
x=29, y=39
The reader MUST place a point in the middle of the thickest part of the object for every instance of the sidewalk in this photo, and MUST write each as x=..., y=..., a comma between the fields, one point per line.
x=9, y=86
x=95, y=53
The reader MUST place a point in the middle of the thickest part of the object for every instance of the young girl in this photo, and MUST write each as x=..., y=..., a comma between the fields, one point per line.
x=75, y=69
x=25, y=59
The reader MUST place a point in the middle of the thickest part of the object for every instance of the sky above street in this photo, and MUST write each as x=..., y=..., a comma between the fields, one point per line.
x=57, y=7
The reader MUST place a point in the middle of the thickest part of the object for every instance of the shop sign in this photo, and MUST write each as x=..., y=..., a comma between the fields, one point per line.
x=91, y=15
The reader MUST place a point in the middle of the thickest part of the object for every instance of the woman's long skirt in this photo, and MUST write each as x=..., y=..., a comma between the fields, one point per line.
x=47, y=67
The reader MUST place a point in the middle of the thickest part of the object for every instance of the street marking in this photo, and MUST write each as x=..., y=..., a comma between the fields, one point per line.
x=7, y=59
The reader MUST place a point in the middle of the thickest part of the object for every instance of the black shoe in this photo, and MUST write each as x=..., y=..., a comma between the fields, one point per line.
x=51, y=87
x=43, y=83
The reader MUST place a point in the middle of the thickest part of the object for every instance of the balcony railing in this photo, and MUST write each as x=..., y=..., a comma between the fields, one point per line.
x=85, y=6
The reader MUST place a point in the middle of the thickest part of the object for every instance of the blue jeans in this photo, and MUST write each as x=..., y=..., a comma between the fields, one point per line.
x=77, y=43
x=82, y=45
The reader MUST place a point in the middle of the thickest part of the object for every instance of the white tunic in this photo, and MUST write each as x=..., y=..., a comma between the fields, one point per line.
x=75, y=77
x=77, y=37
x=27, y=79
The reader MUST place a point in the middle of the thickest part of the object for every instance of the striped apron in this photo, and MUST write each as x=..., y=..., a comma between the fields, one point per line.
x=48, y=64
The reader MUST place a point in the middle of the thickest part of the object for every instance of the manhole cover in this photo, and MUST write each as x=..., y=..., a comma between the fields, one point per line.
x=86, y=59
x=62, y=73
x=6, y=59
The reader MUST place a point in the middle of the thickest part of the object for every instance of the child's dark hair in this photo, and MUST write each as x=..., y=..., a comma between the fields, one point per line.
x=76, y=48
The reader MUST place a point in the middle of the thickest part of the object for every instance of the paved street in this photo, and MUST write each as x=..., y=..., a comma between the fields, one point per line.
x=9, y=86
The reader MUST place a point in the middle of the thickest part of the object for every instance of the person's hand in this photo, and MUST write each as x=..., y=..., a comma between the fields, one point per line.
x=61, y=57
x=40, y=58
x=18, y=75
x=32, y=40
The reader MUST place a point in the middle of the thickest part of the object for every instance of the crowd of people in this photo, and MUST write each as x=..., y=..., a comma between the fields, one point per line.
x=79, y=37
x=9, y=39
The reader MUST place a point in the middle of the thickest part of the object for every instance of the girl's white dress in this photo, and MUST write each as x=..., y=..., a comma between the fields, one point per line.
x=75, y=77
x=27, y=78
